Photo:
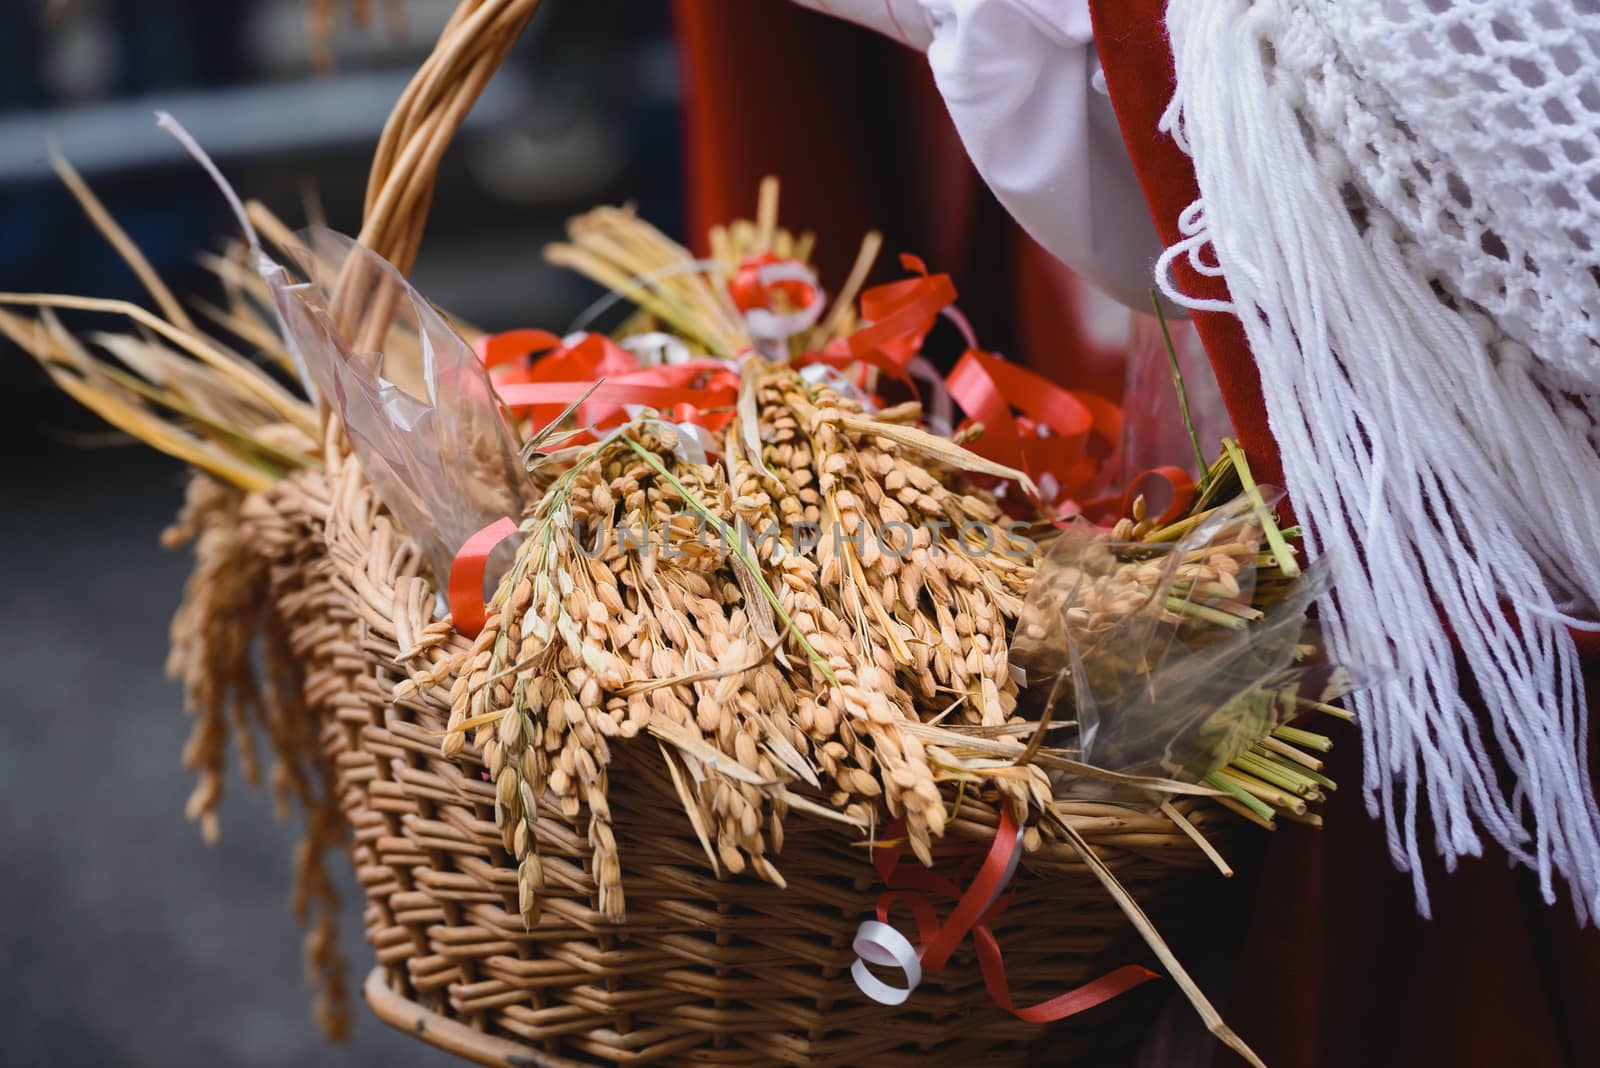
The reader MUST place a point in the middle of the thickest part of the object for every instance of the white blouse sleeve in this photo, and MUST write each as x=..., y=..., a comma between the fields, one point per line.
x=1016, y=76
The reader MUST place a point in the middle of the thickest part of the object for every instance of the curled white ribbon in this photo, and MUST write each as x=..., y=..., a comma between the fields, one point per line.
x=878, y=943
x=656, y=349
x=692, y=442
x=938, y=407
x=821, y=374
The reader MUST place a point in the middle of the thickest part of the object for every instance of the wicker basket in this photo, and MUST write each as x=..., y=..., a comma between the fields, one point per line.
x=704, y=970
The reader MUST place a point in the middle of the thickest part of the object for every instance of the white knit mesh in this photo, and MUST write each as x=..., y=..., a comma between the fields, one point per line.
x=1404, y=199
x=1476, y=125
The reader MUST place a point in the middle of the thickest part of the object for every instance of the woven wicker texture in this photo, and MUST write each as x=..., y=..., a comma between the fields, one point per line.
x=704, y=970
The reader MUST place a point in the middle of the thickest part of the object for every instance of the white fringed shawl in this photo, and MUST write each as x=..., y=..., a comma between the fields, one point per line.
x=1404, y=199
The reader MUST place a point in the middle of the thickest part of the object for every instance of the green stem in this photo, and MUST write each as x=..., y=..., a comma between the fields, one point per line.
x=1206, y=613
x=1299, y=769
x=1269, y=526
x=1249, y=801
x=1175, y=530
x=1263, y=790
x=1305, y=739
x=1274, y=773
x=1183, y=395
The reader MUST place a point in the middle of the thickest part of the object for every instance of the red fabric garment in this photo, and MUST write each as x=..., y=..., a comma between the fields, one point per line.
x=1337, y=968
x=1133, y=50
x=852, y=124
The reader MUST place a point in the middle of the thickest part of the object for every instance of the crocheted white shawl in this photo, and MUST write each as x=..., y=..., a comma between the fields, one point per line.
x=1404, y=199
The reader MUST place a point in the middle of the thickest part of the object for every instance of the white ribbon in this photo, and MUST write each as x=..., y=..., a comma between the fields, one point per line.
x=656, y=349
x=878, y=943
x=776, y=328
x=691, y=441
x=881, y=944
x=821, y=374
x=938, y=407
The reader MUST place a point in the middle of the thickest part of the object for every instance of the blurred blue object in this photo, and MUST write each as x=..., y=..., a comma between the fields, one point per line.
x=584, y=111
x=132, y=943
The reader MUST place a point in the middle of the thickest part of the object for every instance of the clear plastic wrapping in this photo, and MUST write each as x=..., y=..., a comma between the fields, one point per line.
x=409, y=391
x=1152, y=656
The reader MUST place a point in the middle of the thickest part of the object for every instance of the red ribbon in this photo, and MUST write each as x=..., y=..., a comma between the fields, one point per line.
x=1179, y=484
x=899, y=316
x=1078, y=429
x=976, y=907
x=1055, y=435
x=749, y=291
x=697, y=391
x=466, y=575
x=1058, y=432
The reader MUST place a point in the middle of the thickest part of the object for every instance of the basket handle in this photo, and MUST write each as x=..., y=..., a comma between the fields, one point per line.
x=474, y=43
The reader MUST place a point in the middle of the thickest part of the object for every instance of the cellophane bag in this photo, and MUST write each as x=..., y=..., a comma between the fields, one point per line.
x=414, y=399
x=1149, y=656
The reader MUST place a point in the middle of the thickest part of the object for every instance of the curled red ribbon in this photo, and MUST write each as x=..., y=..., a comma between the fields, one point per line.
x=466, y=575
x=749, y=291
x=975, y=909
x=1059, y=432
x=697, y=391
x=899, y=315
x=1179, y=487
x=1060, y=437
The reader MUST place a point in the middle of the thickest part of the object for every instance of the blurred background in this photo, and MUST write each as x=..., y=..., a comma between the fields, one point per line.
x=127, y=940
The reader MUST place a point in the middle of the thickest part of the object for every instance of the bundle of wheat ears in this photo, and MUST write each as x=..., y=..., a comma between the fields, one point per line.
x=864, y=676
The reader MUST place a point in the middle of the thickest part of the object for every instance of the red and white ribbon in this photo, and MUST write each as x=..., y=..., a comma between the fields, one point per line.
x=755, y=287
x=879, y=943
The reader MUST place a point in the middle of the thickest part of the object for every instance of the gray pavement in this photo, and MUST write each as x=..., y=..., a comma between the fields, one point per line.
x=125, y=940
